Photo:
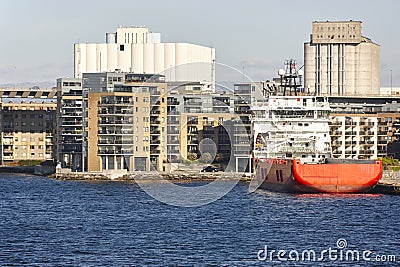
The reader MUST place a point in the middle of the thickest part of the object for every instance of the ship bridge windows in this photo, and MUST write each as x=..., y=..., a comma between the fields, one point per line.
x=295, y=113
x=323, y=114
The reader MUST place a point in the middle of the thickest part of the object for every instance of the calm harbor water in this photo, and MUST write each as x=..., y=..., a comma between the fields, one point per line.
x=44, y=222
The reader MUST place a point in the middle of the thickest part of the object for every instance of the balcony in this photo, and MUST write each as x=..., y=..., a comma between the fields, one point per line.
x=112, y=122
x=116, y=132
x=71, y=123
x=116, y=142
x=116, y=103
x=192, y=122
x=172, y=103
x=115, y=152
x=192, y=102
x=155, y=121
x=173, y=131
x=155, y=132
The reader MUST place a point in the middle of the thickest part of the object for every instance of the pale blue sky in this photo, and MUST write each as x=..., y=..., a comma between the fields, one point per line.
x=37, y=37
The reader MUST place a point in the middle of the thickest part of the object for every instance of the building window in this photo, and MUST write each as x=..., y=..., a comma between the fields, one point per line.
x=121, y=47
x=32, y=147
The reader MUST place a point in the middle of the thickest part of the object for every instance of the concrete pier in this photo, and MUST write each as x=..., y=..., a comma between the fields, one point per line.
x=174, y=176
x=388, y=184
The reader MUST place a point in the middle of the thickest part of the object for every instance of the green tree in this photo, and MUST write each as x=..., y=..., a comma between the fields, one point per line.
x=388, y=161
x=192, y=156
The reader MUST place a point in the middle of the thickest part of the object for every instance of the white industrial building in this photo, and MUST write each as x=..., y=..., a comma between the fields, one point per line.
x=135, y=49
x=338, y=60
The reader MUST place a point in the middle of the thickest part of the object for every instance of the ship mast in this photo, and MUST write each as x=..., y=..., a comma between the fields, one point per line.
x=290, y=79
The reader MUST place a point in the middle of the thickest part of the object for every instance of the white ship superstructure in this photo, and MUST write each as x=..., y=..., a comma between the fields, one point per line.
x=292, y=127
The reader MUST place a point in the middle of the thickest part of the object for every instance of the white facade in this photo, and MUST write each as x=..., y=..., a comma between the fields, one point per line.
x=338, y=60
x=134, y=49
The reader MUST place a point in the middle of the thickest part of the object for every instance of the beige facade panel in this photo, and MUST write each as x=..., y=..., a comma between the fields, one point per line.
x=336, y=32
x=94, y=163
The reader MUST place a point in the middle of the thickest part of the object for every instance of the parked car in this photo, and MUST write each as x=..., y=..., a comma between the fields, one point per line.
x=209, y=169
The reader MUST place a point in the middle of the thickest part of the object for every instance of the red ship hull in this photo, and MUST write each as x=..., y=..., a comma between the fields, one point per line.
x=349, y=176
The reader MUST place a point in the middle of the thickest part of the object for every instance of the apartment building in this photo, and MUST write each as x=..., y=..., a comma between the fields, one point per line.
x=27, y=117
x=200, y=123
x=69, y=123
x=246, y=94
x=363, y=127
x=124, y=119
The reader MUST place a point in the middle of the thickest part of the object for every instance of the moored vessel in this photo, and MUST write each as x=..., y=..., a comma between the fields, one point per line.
x=292, y=147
